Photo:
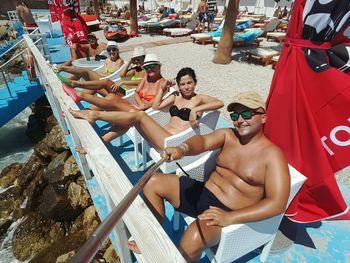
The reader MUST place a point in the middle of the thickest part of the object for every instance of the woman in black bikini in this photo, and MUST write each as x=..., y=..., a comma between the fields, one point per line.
x=187, y=107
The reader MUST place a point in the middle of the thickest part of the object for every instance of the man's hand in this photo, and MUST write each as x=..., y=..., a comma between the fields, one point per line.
x=173, y=153
x=116, y=86
x=216, y=217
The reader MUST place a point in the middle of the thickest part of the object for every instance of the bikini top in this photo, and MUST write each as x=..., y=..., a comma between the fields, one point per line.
x=183, y=114
x=110, y=70
x=147, y=97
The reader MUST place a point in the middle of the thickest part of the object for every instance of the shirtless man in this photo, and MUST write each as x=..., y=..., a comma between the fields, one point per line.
x=251, y=181
x=202, y=11
x=95, y=48
x=25, y=15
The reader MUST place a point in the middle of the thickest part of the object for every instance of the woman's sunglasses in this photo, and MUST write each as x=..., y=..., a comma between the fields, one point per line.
x=112, y=49
x=150, y=67
x=247, y=114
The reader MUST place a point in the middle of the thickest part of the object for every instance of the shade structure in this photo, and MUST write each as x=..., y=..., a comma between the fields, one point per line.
x=308, y=106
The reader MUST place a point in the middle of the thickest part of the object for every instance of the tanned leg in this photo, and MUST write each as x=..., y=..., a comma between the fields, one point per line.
x=113, y=133
x=79, y=73
x=159, y=188
x=147, y=127
x=110, y=102
x=197, y=237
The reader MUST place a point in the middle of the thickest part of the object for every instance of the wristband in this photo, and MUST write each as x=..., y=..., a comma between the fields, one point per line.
x=184, y=147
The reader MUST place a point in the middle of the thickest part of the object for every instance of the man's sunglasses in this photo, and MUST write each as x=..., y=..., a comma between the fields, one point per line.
x=247, y=114
x=151, y=67
x=112, y=49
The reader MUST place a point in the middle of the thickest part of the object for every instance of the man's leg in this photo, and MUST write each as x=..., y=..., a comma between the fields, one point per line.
x=197, y=237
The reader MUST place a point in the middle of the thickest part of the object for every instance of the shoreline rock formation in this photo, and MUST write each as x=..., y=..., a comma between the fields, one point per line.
x=48, y=193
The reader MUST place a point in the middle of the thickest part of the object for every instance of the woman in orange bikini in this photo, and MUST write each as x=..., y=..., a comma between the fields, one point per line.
x=144, y=94
x=186, y=107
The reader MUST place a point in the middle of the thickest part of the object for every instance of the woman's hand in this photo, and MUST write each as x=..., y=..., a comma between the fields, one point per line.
x=216, y=217
x=116, y=86
x=193, y=119
x=167, y=84
x=172, y=153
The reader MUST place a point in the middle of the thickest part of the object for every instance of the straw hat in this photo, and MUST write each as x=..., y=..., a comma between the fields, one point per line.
x=138, y=52
x=250, y=99
x=151, y=59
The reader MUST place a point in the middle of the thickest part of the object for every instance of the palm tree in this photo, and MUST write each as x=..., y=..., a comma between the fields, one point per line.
x=223, y=52
x=133, y=17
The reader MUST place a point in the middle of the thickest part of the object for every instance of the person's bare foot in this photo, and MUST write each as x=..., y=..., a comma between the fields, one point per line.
x=88, y=115
x=131, y=245
x=81, y=150
x=75, y=83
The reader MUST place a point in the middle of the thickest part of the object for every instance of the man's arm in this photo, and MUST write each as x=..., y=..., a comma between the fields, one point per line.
x=197, y=144
x=277, y=188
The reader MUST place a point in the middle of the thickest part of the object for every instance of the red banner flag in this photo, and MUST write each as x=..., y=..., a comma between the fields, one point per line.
x=308, y=106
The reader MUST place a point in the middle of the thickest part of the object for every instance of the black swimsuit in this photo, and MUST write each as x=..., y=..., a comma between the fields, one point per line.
x=183, y=114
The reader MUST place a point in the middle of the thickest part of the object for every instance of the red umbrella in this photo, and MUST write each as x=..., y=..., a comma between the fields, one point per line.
x=308, y=106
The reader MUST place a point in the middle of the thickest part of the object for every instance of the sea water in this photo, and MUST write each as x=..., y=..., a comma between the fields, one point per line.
x=14, y=147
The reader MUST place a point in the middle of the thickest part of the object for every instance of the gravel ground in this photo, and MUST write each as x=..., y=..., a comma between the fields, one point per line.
x=221, y=81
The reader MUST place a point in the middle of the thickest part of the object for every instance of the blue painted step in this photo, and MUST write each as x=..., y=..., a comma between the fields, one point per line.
x=23, y=94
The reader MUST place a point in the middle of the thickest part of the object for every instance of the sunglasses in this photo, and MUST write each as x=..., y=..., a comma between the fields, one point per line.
x=246, y=115
x=112, y=49
x=150, y=67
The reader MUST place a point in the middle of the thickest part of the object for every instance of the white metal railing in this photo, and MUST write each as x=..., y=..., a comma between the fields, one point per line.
x=41, y=43
x=151, y=238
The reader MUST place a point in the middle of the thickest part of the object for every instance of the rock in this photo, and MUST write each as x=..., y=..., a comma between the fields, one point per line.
x=34, y=191
x=56, y=140
x=55, y=205
x=29, y=171
x=4, y=225
x=110, y=255
x=35, y=128
x=91, y=221
x=44, y=152
x=66, y=257
x=9, y=174
x=71, y=168
x=54, y=171
x=60, y=247
x=10, y=200
x=78, y=196
x=33, y=235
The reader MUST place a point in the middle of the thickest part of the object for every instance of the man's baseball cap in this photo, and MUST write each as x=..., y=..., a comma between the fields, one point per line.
x=249, y=99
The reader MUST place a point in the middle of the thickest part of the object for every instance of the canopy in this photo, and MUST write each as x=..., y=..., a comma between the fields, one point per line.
x=308, y=107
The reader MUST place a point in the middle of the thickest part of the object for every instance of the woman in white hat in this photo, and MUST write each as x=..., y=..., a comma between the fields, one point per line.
x=144, y=94
x=186, y=106
x=111, y=64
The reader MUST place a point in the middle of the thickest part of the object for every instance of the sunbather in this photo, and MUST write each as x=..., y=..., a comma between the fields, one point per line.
x=186, y=108
x=111, y=64
x=250, y=182
x=144, y=94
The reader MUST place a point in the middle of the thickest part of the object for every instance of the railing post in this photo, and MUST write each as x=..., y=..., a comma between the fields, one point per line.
x=6, y=83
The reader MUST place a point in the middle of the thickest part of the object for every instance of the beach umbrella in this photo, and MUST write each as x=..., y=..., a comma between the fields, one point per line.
x=308, y=107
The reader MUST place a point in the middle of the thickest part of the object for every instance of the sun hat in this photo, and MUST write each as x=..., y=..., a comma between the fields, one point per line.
x=112, y=44
x=138, y=52
x=151, y=59
x=249, y=99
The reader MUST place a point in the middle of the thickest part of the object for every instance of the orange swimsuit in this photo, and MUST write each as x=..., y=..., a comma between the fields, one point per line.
x=147, y=97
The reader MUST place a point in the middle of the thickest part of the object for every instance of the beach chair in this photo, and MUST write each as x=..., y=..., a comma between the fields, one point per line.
x=132, y=133
x=276, y=36
x=207, y=124
x=264, y=55
x=239, y=239
x=114, y=76
x=270, y=26
x=175, y=32
x=246, y=38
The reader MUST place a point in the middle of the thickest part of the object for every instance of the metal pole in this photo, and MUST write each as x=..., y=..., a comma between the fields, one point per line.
x=7, y=85
x=95, y=241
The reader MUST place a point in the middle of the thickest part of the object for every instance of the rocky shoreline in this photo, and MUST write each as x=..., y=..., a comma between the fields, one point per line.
x=49, y=195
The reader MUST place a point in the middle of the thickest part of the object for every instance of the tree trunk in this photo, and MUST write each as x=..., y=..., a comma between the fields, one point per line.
x=133, y=18
x=223, y=52
x=97, y=8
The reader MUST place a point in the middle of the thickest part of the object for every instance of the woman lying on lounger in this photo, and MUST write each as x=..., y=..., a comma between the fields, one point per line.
x=144, y=94
x=186, y=107
x=131, y=76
